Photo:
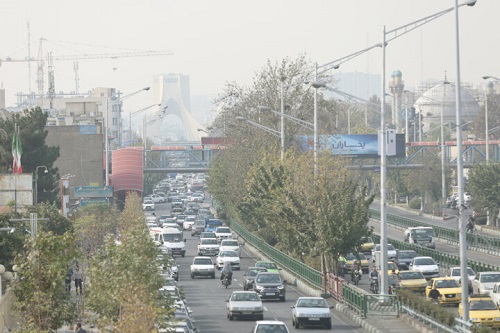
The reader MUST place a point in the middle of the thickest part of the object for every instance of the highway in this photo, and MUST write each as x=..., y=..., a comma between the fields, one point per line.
x=206, y=297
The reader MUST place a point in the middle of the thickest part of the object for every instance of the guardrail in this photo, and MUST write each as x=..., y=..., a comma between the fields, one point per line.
x=474, y=241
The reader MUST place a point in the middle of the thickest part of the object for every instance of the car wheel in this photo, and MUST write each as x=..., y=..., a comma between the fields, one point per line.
x=182, y=255
x=329, y=325
x=260, y=317
x=231, y=317
x=192, y=276
x=213, y=276
x=282, y=299
x=296, y=324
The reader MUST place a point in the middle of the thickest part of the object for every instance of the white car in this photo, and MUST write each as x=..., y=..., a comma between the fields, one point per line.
x=454, y=272
x=230, y=245
x=426, y=265
x=202, y=266
x=311, y=311
x=223, y=233
x=188, y=222
x=148, y=205
x=484, y=281
x=208, y=247
x=228, y=256
x=197, y=197
x=392, y=253
x=244, y=304
x=270, y=326
x=157, y=198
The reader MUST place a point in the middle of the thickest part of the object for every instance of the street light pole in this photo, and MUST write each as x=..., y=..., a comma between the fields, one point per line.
x=36, y=182
x=282, y=119
x=443, y=153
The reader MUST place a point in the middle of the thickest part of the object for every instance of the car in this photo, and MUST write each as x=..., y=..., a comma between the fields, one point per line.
x=392, y=268
x=228, y=256
x=188, y=222
x=181, y=325
x=223, y=233
x=269, y=326
x=311, y=311
x=455, y=272
x=208, y=247
x=427, y=265
x=202, y=266
x=495, y=294
x=250, y=275
x=483, y=312
x=244, y=304
x=269, y=265
x=484, y=281
x=392, y=253
x=367, y=245
x=360, y=257
x=404, y=258
x=197, y=197
x=157, y=198
x=208, y=234
x=198, y=227
x=231, y=245
x=148, y=205
x=412, y=280
x=270, y=285
x=451, y=292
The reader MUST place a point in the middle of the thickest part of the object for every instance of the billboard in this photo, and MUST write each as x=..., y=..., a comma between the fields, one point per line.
x=93, y=201
x=355, y=145
x=93, y=191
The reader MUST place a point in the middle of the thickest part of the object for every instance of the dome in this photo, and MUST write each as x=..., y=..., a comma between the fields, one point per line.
x=396, y=73
x=441, y=98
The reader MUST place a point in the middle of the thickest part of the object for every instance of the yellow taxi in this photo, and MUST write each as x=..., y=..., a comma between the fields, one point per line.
x=367, y=245
x=392, y=268
x=450, y=290
x=412, y=280
x=360, y=257
x=482, y=311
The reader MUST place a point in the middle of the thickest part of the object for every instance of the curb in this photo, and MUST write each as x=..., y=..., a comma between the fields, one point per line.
x=357, y=319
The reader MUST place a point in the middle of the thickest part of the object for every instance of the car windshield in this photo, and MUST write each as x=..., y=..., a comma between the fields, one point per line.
x=410, y=275
x=229, y=243
x=424, y=261
x=203, y=261
x=419, y=233
x=268, y=265
x=447, y=284
x=148, y=201
x=391, y=247
x=456, y=272
x=482, y=305
x=268, y=278
x=312, y=303
x=223, y=230
x=391, y=266
x=253, y=272
x=170, y=238
x=487, y=278
x=245, y=297
x=407, y=254
x=367, y=240
x=228, y=254
x=209, y=241
x=271, y=328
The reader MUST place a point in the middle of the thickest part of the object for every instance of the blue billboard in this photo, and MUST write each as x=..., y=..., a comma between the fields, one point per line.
x=93, y=191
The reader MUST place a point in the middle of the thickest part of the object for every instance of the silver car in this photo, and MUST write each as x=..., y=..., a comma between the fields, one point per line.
x=244, y=304
x=311, y=311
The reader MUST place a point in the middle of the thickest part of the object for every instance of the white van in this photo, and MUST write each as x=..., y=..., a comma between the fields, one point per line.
x=169, y=238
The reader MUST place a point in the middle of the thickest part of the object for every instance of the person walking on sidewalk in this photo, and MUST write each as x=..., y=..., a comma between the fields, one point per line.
x=68, y=278
x=79, y=329
x=78, y=277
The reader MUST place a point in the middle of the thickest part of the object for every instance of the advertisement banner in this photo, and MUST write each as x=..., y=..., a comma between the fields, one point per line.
x=93, y=191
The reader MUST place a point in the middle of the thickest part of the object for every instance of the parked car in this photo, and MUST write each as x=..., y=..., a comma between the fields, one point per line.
x=311, y=311
x=244, y=304
x=270, y=285
x=249, y=276
x=272, y=326
x=202, y=266
x=404, y=258
x=484, y=281
x=451, y=292
x=426, y=265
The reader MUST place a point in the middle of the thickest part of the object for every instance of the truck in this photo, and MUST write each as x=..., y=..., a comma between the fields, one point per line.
x=423, y=236
x=169, y=239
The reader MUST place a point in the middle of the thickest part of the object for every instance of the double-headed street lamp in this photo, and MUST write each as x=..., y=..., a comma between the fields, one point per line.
x=36, y=181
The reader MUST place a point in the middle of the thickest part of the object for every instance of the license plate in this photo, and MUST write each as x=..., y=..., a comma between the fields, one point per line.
x=270, y=294
x=314, y=319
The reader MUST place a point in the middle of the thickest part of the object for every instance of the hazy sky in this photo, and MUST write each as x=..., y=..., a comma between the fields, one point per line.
x=216, y=41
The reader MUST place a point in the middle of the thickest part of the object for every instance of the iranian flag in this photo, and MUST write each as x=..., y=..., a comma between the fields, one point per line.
x=17, y=151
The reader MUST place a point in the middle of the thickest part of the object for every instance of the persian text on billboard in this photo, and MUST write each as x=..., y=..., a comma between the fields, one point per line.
x=93, y=191
x=343, y=144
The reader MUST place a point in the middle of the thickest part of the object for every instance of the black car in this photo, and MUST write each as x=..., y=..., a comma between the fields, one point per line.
x=404, y=258
x=270, y=285
x=250, y=275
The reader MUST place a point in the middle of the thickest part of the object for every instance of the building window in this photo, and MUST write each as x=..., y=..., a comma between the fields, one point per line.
x=115, y=121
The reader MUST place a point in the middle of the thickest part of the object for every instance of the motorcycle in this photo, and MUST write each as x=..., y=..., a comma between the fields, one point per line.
x=356, y=276
x=374, y=285
x=226, y=280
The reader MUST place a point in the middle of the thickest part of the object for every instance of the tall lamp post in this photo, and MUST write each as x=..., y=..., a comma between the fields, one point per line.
x=36, y=181
x=131, y=114
x=106, y=134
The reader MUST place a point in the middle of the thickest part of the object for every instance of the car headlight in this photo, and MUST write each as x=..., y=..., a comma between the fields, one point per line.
x=259, y=288
x=496, y=319
x=281, y=287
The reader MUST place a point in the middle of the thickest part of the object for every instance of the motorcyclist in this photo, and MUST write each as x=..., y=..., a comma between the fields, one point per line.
x=355, y=267
x=373, y=276
x=227, y=271
x=470, y=224
x=434, y=294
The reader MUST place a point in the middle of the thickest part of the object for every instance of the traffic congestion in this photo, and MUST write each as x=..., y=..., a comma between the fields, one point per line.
x=218, y=283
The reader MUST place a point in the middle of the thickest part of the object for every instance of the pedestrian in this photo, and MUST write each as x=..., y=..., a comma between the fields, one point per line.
x=78, y=276
x=68, y=278
x=78, y=328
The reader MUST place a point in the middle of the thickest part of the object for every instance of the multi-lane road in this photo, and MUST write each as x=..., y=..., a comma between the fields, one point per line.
x=207, y=297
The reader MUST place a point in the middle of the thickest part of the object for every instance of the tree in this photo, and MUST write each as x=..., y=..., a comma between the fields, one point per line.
x=41, y=299
x=484, y=180
x=35, y=153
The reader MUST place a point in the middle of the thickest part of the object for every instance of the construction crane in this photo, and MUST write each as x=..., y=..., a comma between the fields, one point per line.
x=50, y=58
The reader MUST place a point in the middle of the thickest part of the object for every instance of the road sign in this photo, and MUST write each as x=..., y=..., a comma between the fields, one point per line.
x=93, y=191
x=93, y=201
